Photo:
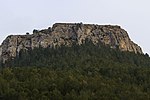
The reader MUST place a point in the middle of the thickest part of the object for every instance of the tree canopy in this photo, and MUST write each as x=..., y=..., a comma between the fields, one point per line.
x=85, y=72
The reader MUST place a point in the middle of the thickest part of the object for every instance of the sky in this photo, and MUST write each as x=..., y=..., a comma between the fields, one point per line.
x=21, y=16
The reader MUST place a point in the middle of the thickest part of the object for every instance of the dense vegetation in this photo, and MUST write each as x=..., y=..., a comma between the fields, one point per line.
x=85, y=72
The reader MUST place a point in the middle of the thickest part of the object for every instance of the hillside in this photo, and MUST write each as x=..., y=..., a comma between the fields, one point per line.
x=85, y=72
x=74, y=61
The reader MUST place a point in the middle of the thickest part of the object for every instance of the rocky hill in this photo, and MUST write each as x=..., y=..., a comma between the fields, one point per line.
x=68, y=34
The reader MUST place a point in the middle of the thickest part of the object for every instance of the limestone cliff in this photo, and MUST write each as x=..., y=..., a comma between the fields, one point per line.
x=66, y=34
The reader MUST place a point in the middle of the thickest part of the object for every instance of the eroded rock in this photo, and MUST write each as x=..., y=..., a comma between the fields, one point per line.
x=67, y=34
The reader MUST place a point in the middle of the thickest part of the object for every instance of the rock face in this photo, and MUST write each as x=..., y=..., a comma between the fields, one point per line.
x=67, y=34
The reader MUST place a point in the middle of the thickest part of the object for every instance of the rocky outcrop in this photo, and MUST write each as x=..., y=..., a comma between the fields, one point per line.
x=67, y=34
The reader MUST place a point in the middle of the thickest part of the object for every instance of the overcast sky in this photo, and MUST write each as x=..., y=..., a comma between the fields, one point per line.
x=21, y=16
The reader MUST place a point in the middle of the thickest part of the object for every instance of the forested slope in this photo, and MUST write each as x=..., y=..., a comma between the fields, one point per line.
x=80, y=72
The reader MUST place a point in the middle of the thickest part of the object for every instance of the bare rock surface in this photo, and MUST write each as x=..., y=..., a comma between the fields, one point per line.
x=67, y=34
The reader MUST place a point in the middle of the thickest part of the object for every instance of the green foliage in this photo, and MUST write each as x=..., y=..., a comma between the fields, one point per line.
x=85, y=72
